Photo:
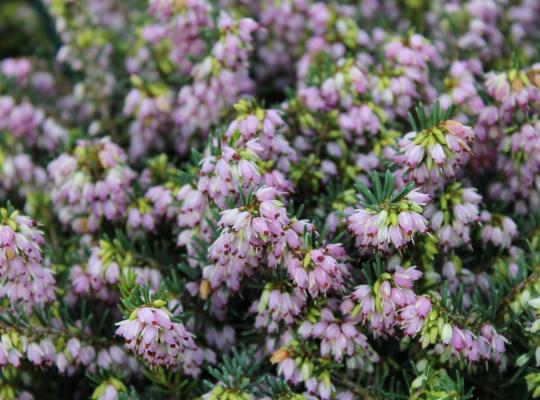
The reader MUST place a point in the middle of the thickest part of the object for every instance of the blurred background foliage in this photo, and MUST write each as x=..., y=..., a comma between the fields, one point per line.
x=26, y=29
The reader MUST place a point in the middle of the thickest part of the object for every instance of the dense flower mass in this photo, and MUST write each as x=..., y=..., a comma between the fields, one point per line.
x=282, y=199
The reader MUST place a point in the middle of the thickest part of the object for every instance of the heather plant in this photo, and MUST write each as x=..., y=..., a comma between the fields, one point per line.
x=283, y=199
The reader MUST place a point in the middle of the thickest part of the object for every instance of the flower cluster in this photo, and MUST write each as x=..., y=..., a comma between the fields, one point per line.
x=424, y=154
x=150, y=333
x=384, y=305
x=91, y=184
x=452, y=218
x=24, y=274
x=388, y=219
